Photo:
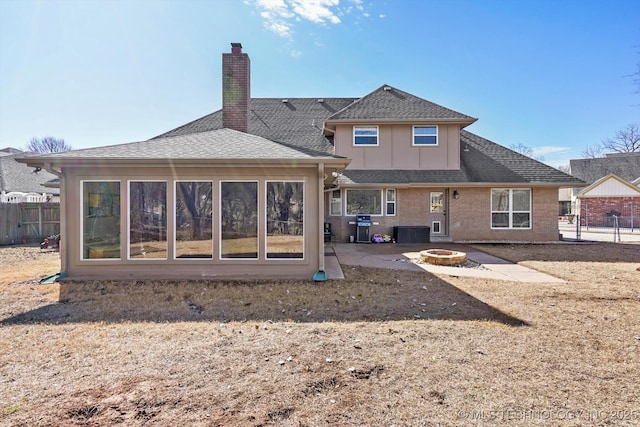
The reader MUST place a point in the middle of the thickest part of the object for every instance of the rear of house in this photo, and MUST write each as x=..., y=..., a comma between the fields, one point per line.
x=253, y=189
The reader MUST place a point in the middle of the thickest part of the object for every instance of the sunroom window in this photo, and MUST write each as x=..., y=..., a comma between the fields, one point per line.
x=100, y=220
x=285, y=219
x=148, y=219
x=194, y=219
x=239, y=219
x=511, y=208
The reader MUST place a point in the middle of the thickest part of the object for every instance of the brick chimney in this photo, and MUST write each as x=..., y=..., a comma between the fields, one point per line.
x=236, y=89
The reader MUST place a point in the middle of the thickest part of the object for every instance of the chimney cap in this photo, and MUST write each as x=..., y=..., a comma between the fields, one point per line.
x=236, y=47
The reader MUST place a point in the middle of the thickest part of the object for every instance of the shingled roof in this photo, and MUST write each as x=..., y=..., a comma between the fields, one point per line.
x=221, y=144
x=292, y=121
x=298, y=122
x=17, y=177
x=388, y=103
x=624, y=165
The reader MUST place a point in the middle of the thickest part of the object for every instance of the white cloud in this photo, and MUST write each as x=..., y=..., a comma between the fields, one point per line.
x=280, y=16
x=548, y=149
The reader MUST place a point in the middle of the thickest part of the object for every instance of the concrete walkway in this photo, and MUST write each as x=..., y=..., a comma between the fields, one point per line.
x=404, y=257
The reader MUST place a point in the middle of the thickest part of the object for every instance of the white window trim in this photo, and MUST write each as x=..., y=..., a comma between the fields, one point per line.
x=175, y=219
x=413, y=137
x=510, y=212
x=304, y=220
x=382, y=200
x=331, y=203
x=394, y=202
x=129, y=219
x=82, y=181
x=366, y=145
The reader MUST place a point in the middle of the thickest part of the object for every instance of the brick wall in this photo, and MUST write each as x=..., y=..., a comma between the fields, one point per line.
x=236, y=90
x=599, y=211
x=469, y=216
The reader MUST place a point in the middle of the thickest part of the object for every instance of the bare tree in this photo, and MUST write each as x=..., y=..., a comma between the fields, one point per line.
x=626, y=140
x=593, y=151
x=564, y=168
x=525, y=150
x=48, y=144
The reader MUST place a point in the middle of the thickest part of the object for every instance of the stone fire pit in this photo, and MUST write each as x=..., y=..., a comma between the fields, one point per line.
x=443, y=257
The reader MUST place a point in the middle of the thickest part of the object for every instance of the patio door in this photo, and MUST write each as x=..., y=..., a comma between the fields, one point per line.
x=437, y=215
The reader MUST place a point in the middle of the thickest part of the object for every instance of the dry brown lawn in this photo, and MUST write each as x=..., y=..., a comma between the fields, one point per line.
x=381, y=348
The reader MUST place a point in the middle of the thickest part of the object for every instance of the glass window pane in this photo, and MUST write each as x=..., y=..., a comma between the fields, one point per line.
x=499, y=200
x=521, y=220
x=364, y=202
x=335, y=205
x=521, y=200
x=425, y=140
x=391, y=195
x=148, y=219
x=500, y=220
x=239, y=219
x=365, y=135
x=436, y=205
x=425, y=130
x=285, y=219
x=100, y=220
x=194, y=217
x=391, y=208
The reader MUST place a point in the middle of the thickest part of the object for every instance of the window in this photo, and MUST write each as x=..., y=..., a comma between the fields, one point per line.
x=239, y=220
x=511, y=208
x=391, y=202
x=148, y=219
x=436, y=202
x=100, y=227
x=365, y=135
x=335, y=203
x=194, y=219
x=425, y=135
x=285, y=219
x=364, y=202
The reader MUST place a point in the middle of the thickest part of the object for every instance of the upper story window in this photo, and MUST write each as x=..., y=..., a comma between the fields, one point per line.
x=365, y=135
x=425, y=135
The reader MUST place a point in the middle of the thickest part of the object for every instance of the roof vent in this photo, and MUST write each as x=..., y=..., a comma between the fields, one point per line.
x=386, y=88
x=284, y=101
x=320, y=100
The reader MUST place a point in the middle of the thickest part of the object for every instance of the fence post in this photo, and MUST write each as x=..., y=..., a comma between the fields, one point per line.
x=578, y=229
x=40, y=221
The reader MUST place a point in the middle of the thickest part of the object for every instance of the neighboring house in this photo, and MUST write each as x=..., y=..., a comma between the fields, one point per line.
x=249, y=190
x=20, y=183
x=613, y=194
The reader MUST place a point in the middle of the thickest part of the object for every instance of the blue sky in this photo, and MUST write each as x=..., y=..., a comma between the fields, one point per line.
x=552, y=75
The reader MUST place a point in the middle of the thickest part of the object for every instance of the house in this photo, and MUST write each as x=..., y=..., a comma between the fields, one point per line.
x=20, y=184
x=612, y=196
x=251, y=189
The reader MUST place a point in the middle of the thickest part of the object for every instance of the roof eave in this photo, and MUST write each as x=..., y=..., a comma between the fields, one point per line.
x=338, y=162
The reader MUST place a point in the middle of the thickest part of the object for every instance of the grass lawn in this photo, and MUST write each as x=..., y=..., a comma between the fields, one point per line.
x=380, y=348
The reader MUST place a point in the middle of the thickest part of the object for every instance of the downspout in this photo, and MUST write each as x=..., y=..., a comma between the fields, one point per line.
x=320, y=275
x=63, y=224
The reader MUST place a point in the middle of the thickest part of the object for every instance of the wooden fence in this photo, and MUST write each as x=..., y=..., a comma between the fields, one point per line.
x=28, y=222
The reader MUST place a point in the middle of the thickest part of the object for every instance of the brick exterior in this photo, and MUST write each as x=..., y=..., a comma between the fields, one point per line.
x=469, y=216
x=236, y=90
x=599, y=211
